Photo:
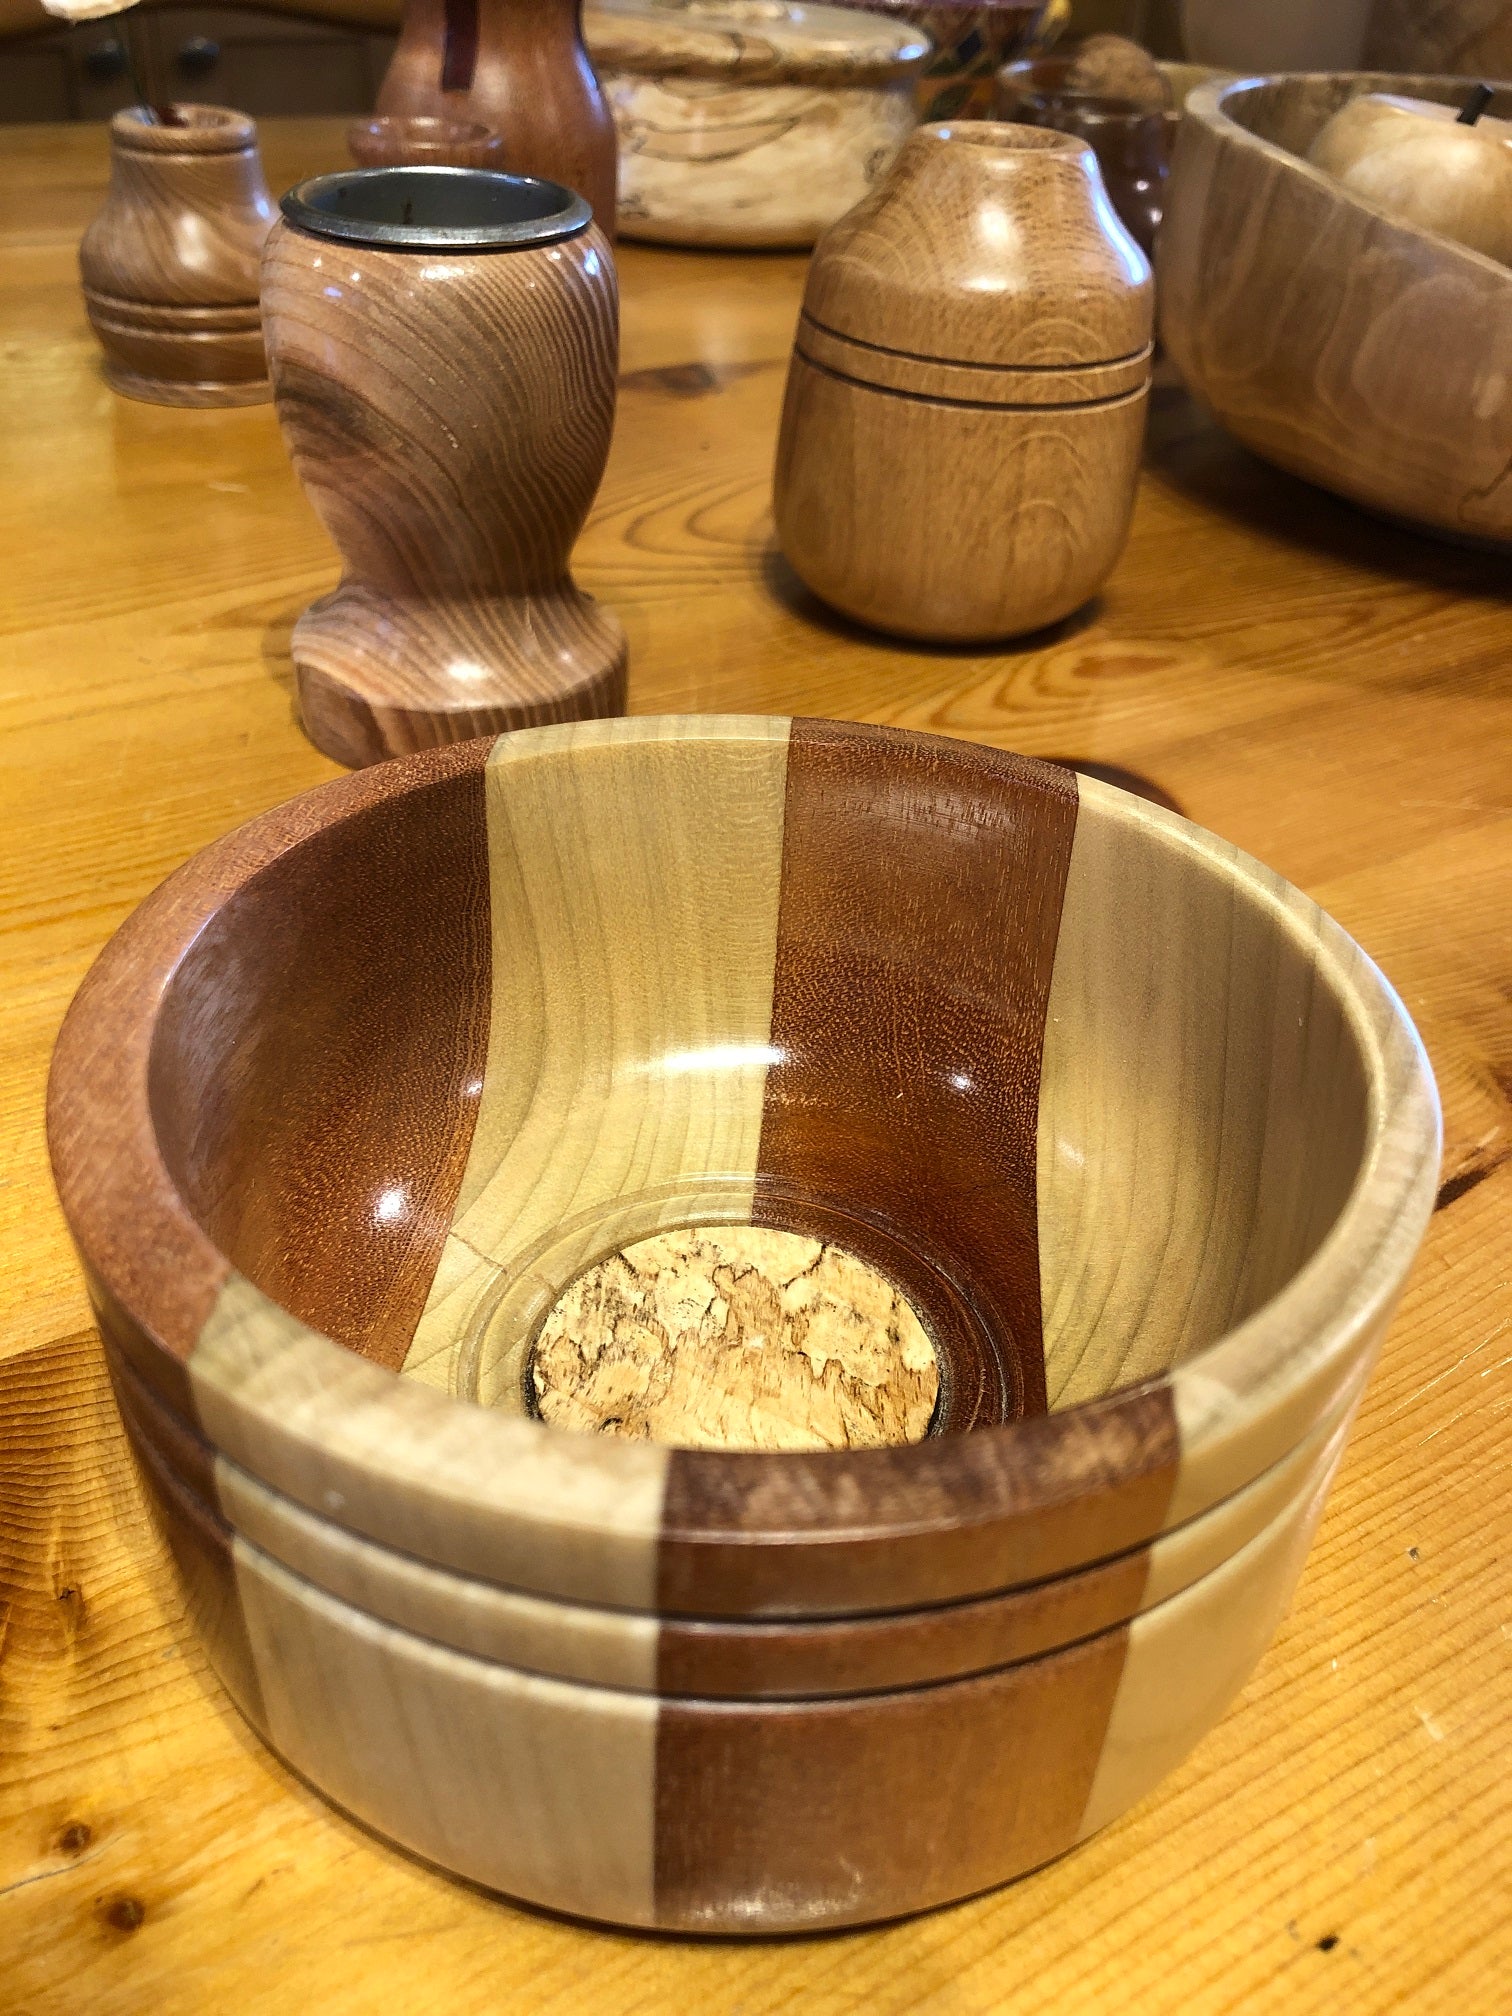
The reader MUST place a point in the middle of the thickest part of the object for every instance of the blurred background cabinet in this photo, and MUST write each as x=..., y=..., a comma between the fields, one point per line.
x=327, y=58
x=286, y=56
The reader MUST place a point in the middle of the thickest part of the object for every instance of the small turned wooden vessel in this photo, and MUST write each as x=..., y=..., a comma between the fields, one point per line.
x=443, y=345
x=1132, y=141
x=518, y=67
x=414, y=141
x=750, y=122
x=1141, y=1135
x=170, y=264
x=966, y=399
x=1361, y=352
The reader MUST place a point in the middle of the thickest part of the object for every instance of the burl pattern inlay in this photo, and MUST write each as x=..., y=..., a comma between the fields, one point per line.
x=736, y=1337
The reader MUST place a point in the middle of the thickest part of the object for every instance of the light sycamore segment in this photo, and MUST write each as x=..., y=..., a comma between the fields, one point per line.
x=635, y=872
x=707, y=164
x=1200, y=1123
x=736, y=1337
x=1201, y=1158
x=482, y=1491
x=571, y=1641
x=1188, y=1659
x=525, y=1784
x=617, y=1648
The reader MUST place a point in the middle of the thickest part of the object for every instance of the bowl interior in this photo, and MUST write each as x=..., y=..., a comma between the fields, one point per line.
x=1085, y=1086
x=1291, y=111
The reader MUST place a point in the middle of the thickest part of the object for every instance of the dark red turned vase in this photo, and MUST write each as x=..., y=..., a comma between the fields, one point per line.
x=520, y=68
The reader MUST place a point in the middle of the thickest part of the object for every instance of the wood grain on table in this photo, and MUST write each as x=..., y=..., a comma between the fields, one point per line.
x=1327, y=691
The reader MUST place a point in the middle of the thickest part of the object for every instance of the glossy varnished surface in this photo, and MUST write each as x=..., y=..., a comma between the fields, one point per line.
x=966, y=402
x=454, y=483
x=1252, y=624
x=519, y=67
x=169, y=264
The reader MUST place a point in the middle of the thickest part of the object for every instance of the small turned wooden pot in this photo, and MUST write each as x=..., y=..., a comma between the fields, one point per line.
x=966, y=399
x=170, y=264
x=750, y=122
x=518, y=67
x=415, y=141
x=443, y=345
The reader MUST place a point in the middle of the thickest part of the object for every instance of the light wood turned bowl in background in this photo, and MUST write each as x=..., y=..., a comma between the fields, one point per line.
x=1141, y=1135
x=1365, y=354
x=443, y=344
x=170, y=263
x=750, y=122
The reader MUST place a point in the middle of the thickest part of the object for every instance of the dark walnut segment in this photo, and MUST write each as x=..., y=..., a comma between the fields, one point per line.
x=921, y=894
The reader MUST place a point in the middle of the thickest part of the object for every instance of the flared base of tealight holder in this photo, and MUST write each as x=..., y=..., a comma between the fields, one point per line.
x=381, y=676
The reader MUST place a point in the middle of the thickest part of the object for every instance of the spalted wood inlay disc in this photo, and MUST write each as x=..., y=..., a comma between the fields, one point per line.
x=735, y=1337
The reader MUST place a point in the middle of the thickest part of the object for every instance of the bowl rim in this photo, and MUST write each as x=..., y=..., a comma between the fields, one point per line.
x=591, y=1518
x=1208, y=102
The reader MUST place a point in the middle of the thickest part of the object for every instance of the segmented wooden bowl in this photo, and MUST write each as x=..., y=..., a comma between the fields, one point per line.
x=1142, y=1137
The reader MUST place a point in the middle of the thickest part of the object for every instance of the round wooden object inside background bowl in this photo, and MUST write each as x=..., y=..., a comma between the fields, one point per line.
x=416, y=140
x=1362, y=353
x=1141, y=1136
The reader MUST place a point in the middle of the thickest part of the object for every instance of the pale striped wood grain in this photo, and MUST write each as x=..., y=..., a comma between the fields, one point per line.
x=635, y=879
x=718, y=1815
x=620, y=1648
x=1254, y=629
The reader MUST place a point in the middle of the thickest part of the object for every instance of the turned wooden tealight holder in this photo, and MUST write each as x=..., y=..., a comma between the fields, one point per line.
x=443, y=344
x=170, y=264
x=519, y=66
x=966, y=400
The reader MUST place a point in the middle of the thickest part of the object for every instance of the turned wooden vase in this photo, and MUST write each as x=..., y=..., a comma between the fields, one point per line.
x=966, y=399
x=521, y=68
x=443, y=344
x=170, y=264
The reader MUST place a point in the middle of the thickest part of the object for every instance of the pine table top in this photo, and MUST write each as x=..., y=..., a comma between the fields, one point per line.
x=1329, y=692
